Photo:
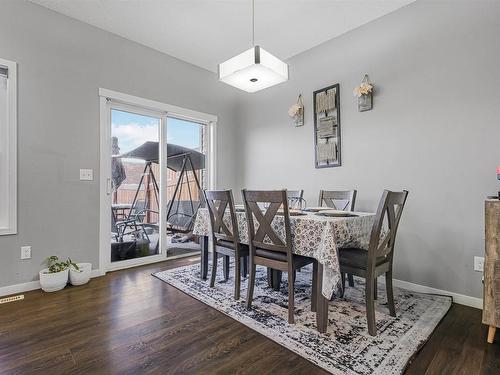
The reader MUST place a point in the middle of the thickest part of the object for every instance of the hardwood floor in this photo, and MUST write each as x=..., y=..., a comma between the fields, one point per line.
x=129, y=322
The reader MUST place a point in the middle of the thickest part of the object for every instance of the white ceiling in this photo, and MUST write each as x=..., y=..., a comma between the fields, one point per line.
x=207, y=32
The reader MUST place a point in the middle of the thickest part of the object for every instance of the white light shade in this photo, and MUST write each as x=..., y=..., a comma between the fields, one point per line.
x=253, y=70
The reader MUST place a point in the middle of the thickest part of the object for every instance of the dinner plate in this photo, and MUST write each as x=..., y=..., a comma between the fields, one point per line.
x=334, y=213
x=316, y=209
x=298, y=213
x=292, y=212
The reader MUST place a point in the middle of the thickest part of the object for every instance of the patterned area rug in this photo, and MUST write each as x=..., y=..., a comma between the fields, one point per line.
x=346, y=348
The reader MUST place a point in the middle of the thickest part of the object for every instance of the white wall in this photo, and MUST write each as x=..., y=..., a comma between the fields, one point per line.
x=434, y=130
x=61, y=65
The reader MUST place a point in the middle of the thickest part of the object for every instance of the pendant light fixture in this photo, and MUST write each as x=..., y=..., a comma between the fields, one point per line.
x=255, y=69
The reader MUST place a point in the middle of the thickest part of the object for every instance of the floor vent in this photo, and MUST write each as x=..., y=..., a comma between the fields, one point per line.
x=11, y=299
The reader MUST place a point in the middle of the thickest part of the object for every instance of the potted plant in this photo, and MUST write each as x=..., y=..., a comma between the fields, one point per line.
x=55, y=277
x=79, y=273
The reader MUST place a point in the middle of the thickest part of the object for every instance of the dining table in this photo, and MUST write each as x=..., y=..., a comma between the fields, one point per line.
x=316, y=232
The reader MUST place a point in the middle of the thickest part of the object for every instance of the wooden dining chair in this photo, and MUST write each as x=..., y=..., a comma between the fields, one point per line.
x=377, y=260
x=225, y=239
x=338, y=200
x=267, y=248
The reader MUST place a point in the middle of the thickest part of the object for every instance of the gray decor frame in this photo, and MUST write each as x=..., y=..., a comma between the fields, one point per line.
x=322, y=121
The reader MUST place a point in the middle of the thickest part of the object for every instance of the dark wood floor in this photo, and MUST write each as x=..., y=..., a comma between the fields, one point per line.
x=131, y=323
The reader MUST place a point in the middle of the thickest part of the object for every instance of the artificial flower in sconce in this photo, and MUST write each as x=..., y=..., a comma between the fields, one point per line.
x=364, y=93
x=296, y=112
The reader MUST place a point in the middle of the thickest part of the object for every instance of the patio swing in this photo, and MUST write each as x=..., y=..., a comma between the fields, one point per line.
x=181, y=212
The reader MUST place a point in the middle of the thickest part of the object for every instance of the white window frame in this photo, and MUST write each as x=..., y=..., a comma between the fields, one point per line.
x=11, y=174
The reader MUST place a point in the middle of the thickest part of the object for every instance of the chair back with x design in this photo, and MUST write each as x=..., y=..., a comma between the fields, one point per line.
x=383, y=236
x=218, y=202
x=263, y=235
x=338, y=200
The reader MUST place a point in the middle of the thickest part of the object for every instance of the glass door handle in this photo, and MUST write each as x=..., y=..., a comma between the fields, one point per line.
x=108, y=186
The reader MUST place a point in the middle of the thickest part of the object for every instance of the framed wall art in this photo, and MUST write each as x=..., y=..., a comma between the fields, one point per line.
x=327, y=145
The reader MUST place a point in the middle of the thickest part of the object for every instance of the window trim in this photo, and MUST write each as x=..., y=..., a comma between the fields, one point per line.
x=11, y=227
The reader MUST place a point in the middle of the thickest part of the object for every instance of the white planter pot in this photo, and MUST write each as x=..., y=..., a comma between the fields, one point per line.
x=82, y=276
x=52, y=282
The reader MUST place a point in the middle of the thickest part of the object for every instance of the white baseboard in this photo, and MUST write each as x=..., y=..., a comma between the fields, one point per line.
x=19, y=288
x=33, y=285
x=461, y=299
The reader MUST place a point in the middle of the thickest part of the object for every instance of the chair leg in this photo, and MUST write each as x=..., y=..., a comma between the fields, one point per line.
x=291, y=299
x=342, y=279
x=226, y=267
x=491, y=334
x=370, y=306
x=251, y=283
x=390, y=293
x=214, y=268
x=269, y=277
x=237, y=278
x=314, y=294
x=351, y=280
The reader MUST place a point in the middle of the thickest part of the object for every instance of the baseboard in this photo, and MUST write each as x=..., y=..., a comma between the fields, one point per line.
x=19, y=288
x=33, y=285
x=97, y=273
x=457, y=298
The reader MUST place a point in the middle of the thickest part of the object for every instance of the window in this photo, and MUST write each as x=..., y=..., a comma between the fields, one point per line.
x=8, y=150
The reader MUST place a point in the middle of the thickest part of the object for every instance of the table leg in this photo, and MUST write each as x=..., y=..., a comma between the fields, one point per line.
x=322, y=303
x=204, y=257
x=244, y=266
x=226, y=267
x=276, y=280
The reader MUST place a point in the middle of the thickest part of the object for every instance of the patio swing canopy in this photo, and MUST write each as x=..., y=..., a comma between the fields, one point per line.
x=179, y=159
x=149, y=152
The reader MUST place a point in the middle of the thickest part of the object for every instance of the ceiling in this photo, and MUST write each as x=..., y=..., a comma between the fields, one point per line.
x=207, y=32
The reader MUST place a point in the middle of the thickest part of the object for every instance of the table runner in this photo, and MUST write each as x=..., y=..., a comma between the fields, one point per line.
x=314, y=236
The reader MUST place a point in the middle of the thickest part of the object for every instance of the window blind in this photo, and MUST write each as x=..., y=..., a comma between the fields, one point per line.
x=3, y=71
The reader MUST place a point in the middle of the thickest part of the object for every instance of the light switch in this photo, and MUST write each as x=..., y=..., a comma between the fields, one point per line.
x=86, y=174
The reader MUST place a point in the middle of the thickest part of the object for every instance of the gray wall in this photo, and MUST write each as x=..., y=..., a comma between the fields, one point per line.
x=434, y=130
x=61, y=65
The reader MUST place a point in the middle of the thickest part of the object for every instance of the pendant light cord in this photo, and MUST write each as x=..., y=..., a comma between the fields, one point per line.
x=253, y=23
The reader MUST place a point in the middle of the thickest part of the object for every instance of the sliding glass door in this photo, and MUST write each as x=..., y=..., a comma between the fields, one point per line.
x=135, y=184
x=155, y=164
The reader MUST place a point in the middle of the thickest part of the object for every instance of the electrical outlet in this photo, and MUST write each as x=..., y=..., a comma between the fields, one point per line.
x=479, y=264
x=26, y=252
x=86, y=174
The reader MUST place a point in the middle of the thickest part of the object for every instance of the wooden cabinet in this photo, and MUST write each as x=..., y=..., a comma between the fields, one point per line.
x=491, y=302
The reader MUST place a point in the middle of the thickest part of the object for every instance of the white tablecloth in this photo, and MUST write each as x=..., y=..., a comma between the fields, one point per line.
x=314, y=236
